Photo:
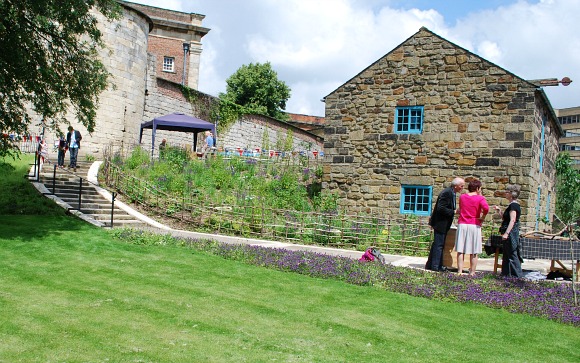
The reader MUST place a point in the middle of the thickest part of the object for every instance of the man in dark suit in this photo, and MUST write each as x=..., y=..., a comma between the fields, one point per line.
x=73, y=141
x=441, y=219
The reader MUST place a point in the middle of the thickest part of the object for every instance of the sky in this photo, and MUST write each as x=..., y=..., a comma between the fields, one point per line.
x=315, y=46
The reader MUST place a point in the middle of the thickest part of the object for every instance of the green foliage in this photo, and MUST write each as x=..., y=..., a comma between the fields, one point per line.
x=289, y=141
x=567, y=189
x=49, y=61
x=326, y=201
x=279, y=140
x=18, y=196
x=257, y=88
x=234, y=181
x=176, y=157
x=213, y=109
x=265, y=139
x=138, y=158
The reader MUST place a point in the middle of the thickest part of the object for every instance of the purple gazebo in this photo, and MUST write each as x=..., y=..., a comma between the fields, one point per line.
x=176, y=122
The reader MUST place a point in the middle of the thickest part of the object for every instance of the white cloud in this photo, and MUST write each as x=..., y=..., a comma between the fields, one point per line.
x=489, y=51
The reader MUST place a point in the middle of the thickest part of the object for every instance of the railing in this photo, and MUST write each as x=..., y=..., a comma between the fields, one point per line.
x=400, y=234
x=52, y=184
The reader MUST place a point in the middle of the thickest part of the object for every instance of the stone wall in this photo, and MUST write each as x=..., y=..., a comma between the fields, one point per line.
x=165, y=97
x=250, y=132
x=121, y=106
x=479, y=121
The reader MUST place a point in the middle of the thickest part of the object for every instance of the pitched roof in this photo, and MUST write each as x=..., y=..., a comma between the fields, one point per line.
x=424, y=29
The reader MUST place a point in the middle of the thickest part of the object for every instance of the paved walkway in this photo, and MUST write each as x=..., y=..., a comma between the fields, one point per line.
x=542, y=266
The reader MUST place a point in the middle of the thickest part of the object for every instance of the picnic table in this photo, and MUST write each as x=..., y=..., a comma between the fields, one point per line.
x=556, y=249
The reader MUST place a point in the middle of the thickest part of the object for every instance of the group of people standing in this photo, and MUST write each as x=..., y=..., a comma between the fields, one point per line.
x=472, y=210
x=72, y=144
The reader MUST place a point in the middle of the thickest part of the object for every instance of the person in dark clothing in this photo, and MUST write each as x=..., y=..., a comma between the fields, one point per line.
x=441, y=219
x=62, y=147
x=73, y=141
x=162, y=148
x=511, y=264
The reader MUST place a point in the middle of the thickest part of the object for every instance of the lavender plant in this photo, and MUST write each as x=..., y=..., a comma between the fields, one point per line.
x=545, y=299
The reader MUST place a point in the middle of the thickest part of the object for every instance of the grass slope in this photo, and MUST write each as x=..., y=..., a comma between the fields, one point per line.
x=68, y=292
x=17, y=195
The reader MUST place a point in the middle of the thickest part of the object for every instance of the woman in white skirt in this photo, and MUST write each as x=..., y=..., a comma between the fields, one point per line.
x=472, y=211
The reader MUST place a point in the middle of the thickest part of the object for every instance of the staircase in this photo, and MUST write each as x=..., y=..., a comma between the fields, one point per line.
x=93, y=205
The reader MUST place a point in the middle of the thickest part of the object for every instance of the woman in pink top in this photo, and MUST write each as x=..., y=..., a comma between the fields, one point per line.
x=472, y=211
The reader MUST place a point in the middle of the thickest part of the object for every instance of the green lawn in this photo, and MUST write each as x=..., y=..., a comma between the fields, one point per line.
x=70, y=293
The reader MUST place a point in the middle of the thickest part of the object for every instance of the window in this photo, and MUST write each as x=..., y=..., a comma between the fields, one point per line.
x=168, y=64
x=569, y=119
x=542, y=143
x=416, y=199
x=409, y=120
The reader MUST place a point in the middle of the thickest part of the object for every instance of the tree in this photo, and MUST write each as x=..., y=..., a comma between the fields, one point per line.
x=568, y=190
x=568, y=204
x=257, y=88
x=49, y=63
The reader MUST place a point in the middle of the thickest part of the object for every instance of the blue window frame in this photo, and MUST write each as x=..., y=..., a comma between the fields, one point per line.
x=542, y=142
x=416, y=199
x=409, y=120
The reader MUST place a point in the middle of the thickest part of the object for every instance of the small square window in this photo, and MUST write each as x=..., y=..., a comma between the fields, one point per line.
x=409, y=120
x=168, y=64
x=416, y=199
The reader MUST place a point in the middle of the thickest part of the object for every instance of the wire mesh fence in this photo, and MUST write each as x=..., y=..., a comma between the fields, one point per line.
x=251, y=218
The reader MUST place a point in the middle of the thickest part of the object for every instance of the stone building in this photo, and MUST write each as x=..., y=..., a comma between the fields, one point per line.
x=570, y=121
x=143, y=86
x=175, y=43
x=399, y=131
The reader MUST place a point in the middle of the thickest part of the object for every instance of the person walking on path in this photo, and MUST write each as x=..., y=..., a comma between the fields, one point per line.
x=73, y=141
x=511, y=262
x=472, y=211
x=42, y=152
x=61, y=150
x=440, y=221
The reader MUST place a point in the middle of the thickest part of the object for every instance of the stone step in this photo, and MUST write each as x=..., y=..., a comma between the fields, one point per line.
x=120, y=215
x=127, y=223
x=93, y=205
x=74, y=194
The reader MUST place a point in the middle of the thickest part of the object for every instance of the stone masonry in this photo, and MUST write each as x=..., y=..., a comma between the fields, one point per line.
x=479, y=121
x=120, y=106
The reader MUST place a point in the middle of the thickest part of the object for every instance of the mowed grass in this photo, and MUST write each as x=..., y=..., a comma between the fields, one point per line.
x=70, y=293
x=17, y=195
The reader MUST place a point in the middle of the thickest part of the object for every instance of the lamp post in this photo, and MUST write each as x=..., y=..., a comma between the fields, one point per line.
x=185, y=51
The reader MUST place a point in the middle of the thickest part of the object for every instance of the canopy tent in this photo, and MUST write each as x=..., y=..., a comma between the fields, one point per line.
x=176, y=122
